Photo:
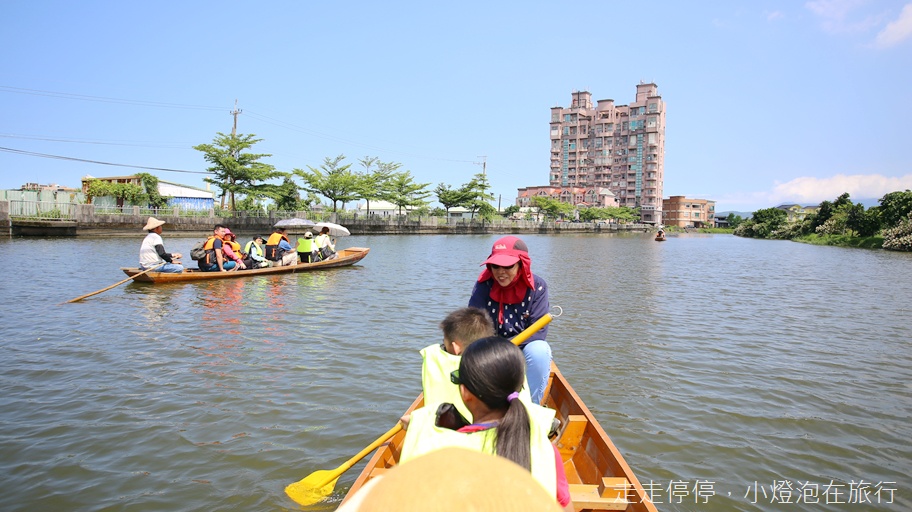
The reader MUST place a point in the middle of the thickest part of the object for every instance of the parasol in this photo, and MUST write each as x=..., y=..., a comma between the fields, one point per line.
x=334, y=229
x=290, y=223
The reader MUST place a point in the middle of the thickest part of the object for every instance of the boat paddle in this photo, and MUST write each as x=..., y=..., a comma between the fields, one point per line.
x=77, y=299
x=320, y=484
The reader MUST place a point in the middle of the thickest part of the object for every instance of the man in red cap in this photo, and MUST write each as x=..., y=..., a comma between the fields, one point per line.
x=515, y=298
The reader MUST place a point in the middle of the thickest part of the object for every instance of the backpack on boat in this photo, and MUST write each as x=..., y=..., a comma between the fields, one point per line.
x=197, y=252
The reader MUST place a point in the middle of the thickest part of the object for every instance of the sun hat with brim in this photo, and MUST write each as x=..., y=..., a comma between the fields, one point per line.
x=507, y=251
x=153, y=223
x=308, y=235
x=260, y=237
x=454, y=480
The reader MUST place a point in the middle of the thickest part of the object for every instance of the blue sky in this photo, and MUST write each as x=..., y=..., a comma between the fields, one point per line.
x=767, y=102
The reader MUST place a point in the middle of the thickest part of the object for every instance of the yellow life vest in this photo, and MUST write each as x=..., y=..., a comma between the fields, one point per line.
x=305, y=245
x=436, y=367
x=252, y=248
x=424, y=437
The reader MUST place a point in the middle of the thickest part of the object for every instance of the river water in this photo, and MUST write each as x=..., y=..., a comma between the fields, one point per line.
x=733, y=374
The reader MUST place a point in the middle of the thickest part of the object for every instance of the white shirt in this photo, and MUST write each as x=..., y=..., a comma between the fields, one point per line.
x=148, y=256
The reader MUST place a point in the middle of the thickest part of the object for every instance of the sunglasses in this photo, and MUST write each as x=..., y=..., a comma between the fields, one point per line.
x=500, y=267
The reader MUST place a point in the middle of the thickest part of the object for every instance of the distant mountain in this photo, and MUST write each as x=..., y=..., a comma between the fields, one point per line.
x=743, y=215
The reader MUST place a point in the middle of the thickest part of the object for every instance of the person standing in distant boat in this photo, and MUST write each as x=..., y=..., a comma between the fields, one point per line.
x=152, y=251
x=515, y=298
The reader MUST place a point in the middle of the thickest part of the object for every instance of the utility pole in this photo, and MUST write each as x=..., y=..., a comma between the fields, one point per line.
x=235, y=113
x=484, y=164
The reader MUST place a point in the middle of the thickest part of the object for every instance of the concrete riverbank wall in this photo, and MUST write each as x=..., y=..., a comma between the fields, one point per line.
x=84, y=221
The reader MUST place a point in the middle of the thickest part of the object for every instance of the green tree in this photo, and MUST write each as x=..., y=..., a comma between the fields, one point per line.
x=449, y=197
x=288, y=196
x=373, y=180
x=332, y=180
x=150, y=186
x=403, y=191
x=734, y=220
x=510, y=210
x=551, y=207
x=894, y=207
x=763, y=223
x=237, y=172
x=477, y=192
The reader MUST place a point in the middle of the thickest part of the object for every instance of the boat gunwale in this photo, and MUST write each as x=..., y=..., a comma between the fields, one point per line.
x=347, y=256
x=639, y=499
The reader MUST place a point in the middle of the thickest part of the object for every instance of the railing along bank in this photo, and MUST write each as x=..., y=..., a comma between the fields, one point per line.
x=89, y=220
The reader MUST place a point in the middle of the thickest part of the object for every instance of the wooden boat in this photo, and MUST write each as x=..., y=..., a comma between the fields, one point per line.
x=599, y=477
x=347, y=257
x=660, y=238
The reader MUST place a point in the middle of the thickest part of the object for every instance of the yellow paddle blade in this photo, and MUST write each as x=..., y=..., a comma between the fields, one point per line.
x=313, y=488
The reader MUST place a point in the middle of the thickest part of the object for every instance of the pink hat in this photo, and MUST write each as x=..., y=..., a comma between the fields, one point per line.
x=507, y=251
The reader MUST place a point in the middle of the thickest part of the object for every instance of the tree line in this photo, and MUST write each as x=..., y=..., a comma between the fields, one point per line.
x=244, y=182
x=891, y=220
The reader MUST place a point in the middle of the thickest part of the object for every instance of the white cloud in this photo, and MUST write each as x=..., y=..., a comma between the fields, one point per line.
x=808, y=190
x=896, y=31
x=775, y=15
x=837, y=16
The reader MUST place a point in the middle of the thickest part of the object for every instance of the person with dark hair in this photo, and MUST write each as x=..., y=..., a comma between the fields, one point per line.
x=460, y=328
x=323, y=240
x=279, y=250
x=215, y=260
x=516, y=298
x=255, y=255
x=490, y=375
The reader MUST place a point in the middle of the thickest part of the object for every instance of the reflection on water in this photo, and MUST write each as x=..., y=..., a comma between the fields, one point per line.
x=708, y=359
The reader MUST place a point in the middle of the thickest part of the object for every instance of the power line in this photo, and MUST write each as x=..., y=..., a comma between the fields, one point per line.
x=73, y=159
x=103, y=99
x=139, y=144
x=235, y=112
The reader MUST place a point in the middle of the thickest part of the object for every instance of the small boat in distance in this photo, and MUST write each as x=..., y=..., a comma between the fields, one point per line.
x=599, y=477
x=660, y=236
x=347, y=257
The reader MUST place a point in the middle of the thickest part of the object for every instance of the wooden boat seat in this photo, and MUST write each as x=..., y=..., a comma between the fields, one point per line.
x=610, y=494
x=571, y=436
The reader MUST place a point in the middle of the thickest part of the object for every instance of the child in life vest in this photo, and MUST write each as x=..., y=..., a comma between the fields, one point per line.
x=490, y=375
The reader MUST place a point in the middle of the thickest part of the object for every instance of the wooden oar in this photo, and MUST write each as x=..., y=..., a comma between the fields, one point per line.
x=520, y=338
x=320, y=484
x=77, y=299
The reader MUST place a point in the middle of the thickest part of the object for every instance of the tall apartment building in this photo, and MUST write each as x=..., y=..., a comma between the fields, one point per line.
x=618, y=147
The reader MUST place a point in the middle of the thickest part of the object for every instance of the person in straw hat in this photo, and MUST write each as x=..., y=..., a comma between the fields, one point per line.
x=453, y=480
x=152, y=251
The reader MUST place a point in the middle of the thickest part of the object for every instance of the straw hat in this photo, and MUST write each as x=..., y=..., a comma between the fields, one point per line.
x=153, y=223
x=457, y=480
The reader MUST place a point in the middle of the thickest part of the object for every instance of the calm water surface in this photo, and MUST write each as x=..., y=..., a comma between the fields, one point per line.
x=716, y=364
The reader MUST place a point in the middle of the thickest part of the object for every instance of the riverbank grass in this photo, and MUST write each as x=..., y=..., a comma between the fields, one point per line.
x=861, y=242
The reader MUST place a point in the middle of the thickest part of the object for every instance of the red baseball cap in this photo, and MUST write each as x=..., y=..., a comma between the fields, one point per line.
x=506, y=252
